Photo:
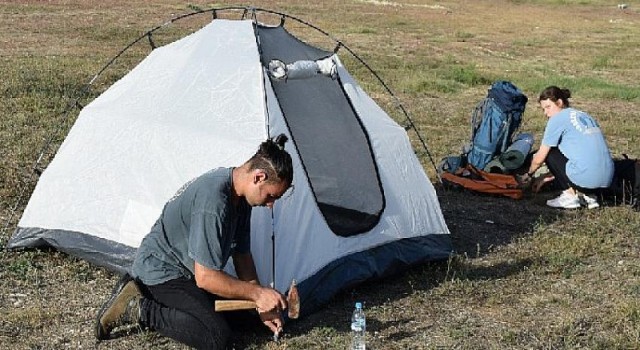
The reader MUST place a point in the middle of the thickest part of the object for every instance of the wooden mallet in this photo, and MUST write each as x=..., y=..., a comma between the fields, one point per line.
x=293, y=302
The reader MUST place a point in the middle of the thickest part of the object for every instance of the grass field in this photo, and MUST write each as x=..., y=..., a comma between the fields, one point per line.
x=523, y=276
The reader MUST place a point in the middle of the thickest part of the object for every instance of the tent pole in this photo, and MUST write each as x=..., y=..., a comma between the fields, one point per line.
x=273, y=250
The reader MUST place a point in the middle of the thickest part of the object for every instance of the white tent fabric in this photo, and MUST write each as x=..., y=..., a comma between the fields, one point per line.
x=135, y=145
x=203, y=102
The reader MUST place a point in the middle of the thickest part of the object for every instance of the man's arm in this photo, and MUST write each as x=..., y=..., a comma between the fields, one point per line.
x=245, y=268
x=268, y=301
x=220, y=283
x=246, y=271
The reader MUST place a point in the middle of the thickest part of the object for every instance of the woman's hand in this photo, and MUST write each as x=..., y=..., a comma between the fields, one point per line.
x=524, y=180
x=540, y=181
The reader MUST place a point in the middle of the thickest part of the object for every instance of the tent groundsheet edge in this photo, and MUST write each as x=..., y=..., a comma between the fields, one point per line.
x=99, y=251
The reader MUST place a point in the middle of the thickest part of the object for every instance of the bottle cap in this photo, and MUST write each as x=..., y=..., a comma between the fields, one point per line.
x=358, y=305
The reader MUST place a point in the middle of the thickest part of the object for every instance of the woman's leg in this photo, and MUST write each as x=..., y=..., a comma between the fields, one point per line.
x=557, y=164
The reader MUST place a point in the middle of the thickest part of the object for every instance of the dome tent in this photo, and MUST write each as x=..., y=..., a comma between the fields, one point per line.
x=362, y=206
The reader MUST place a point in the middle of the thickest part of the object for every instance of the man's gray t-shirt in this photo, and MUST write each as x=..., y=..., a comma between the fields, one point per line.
x=199, y=223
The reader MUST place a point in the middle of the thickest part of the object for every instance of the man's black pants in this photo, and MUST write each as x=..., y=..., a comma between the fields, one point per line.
x=178, y=309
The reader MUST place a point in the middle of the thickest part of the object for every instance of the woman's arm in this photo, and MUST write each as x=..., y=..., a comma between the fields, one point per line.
x=538, y=159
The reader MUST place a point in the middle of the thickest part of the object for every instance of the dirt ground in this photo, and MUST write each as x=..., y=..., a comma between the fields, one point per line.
x=479, y=223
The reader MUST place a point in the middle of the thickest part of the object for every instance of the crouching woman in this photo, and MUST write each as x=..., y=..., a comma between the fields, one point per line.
x=575, y=151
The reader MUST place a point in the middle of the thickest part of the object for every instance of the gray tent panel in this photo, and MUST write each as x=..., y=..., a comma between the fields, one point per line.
x=112, y=255
x=332, y=143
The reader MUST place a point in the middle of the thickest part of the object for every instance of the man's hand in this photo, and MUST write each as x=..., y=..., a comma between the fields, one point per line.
x=226, y=286
x=270, y=304
x=272, y=319
x=269, y=299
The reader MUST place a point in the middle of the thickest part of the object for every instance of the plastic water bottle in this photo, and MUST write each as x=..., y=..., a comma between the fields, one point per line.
x=358, y=328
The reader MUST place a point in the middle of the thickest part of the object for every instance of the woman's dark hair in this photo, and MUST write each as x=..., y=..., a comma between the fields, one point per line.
x=554, y=94
x=274, y=160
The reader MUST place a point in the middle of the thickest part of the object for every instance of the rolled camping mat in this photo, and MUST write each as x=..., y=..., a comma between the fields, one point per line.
x=517, y=152
x=495, y=166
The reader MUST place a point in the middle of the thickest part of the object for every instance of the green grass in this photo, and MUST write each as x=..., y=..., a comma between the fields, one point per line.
x=534, y=279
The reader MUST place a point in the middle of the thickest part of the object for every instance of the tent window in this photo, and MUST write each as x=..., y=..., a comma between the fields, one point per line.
x=333, y=145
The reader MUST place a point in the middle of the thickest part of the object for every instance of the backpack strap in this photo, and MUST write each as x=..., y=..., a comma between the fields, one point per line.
x=504, y=145
x=476, y=117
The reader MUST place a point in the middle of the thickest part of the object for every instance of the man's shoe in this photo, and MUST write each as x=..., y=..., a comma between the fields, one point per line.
x=565, y=200
x=122, y=308
x=588, y=201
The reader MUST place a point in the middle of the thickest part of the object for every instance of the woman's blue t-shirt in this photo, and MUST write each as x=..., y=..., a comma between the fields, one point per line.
x=578, y=136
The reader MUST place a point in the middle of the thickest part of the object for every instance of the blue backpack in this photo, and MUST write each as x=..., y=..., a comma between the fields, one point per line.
x=493, y=122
